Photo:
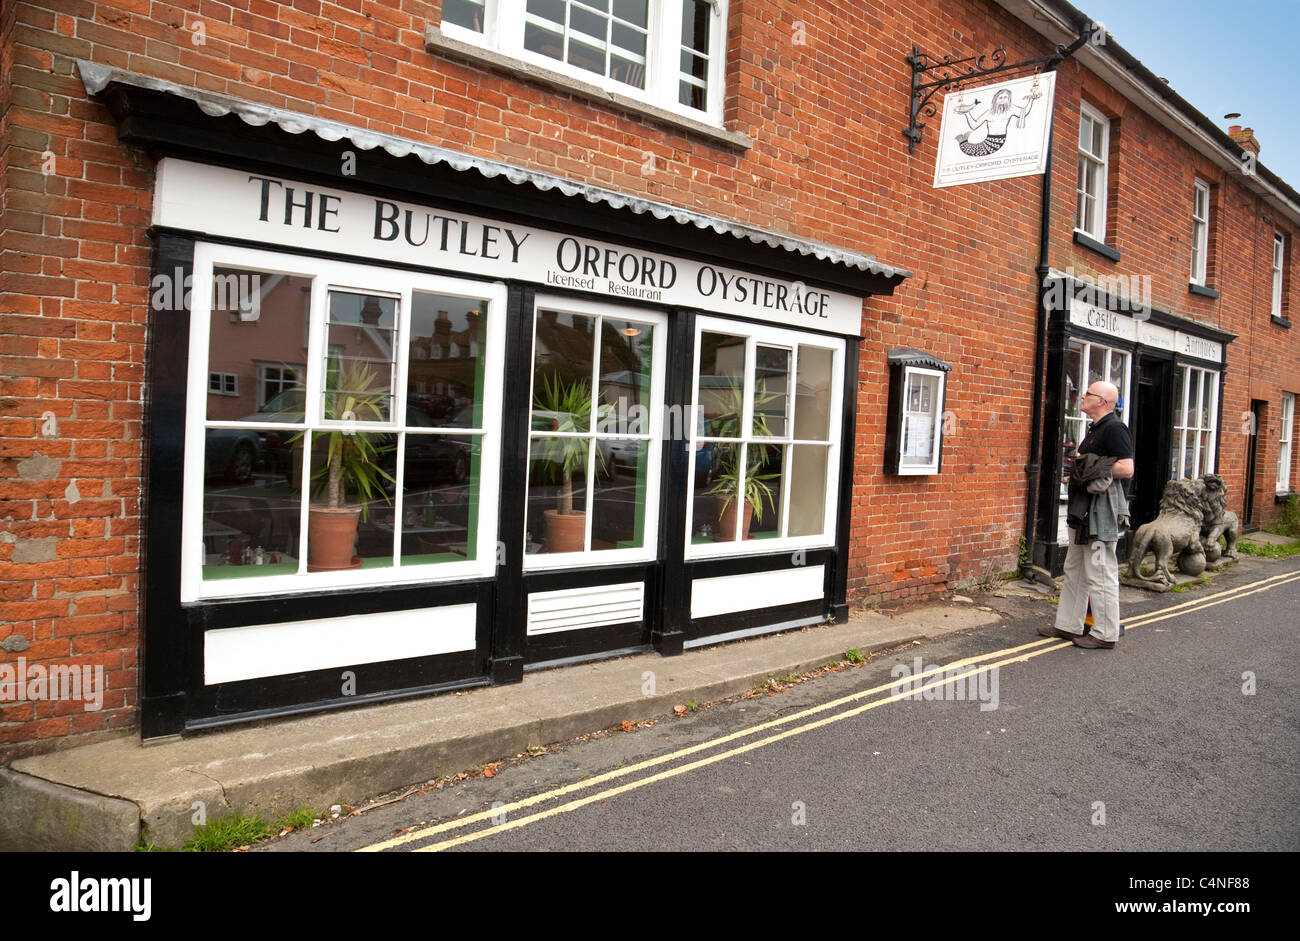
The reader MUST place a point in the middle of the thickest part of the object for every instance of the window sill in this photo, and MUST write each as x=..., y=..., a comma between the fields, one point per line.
x=1283, y=497
x=1200, y=290
x=1087, y=241
x=439, y=43
x=1279, y=321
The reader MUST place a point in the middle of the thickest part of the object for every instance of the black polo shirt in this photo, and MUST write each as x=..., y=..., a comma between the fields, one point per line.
x=1109, y=437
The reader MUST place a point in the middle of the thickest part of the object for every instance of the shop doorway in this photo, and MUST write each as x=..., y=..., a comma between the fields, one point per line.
x=1151, y=439
x=1252, y=449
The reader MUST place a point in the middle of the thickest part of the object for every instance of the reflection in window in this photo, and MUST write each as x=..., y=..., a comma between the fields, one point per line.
x=764, y=476
x=590, y=447
x=404, y=491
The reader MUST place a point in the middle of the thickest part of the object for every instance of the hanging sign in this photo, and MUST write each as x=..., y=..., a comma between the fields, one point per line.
x=995, y=132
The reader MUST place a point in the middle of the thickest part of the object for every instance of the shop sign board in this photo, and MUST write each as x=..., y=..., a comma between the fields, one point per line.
x=231, y=203
x=1124, y=327
x=996, y=131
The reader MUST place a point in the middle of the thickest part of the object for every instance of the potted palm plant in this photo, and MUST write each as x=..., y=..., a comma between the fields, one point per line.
x=350, y=469
x=564, y=407
x=729, y=479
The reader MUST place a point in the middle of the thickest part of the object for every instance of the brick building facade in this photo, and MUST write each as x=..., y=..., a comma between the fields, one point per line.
x=773, y=153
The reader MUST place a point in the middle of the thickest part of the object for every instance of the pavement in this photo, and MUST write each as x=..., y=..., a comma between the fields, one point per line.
x=115, y=795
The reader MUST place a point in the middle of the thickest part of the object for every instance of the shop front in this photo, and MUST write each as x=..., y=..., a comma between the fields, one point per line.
x=432, y=424
x=1169, y=372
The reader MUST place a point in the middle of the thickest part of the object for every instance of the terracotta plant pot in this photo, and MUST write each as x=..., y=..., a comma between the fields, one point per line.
x=331, y=538
x=727, y=523
x=565, y=532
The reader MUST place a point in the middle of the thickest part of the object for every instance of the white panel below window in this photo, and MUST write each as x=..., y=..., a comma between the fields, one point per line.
x=245, y=653
x=577, y=608
x=730, y=593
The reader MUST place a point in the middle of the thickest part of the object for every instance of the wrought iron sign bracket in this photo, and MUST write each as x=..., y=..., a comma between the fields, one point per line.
x=952, y=74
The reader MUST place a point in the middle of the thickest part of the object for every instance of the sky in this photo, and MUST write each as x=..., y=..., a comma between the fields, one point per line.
x=1222, y=56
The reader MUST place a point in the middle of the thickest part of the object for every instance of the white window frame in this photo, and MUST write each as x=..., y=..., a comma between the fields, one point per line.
x=263, y=366
x=327, y=275
x=1098, y=232
x=227, y=383
x=756, y=334
x=649, y=550
x=931, y=466
x=503, y=32
x=1279, y=259
x=1284, y=443
x=1200, y=232
x=1203, y=436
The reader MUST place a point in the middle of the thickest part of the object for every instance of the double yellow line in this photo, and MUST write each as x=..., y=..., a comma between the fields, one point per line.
x=1009, y=655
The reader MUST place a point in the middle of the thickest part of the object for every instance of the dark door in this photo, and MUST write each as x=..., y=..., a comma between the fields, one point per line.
x=1252, y=446
x=1151, y=438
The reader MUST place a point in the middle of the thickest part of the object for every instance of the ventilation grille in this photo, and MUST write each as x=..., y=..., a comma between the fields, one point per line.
x=577, y=608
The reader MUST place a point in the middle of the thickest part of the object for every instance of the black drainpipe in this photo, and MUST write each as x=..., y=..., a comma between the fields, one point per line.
x=1033, y=469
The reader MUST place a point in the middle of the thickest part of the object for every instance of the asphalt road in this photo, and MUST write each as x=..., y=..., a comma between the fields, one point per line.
x=1184, y=737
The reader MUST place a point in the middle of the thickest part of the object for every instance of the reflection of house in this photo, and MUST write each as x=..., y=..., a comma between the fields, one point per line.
x=259, y=340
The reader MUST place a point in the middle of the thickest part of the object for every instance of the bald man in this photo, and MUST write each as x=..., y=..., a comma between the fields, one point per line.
x=1091, y=570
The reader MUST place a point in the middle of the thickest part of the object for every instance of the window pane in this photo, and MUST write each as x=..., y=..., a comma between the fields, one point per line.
x=808, y=466
x=352, y=483
x=633, y=11
x=618, y=504
x=257, y=318
x=359, y=358
x=692, y=96
x=633, y=40
x=544, y=41
x=251, y=502
x=695, y=25
x=562, y=366
x=720, y=394
x=557, y=495
x=440, y=494
x=552, y=10
x=812, y=407
x=584, y=21
x=1096, y=365
x=586, y=57
x=445, y=366
x=466, y=13
x=771, y=391
x=1179, y=408
x=1118, y=362
x=626, y=354
x=763, y=484
x=716, y=487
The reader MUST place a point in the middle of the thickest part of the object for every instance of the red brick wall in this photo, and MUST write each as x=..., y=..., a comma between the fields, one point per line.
x=828, y=163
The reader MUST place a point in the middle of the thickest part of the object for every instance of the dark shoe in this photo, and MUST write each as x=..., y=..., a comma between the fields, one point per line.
x=1048, y=630
x=1092, y=643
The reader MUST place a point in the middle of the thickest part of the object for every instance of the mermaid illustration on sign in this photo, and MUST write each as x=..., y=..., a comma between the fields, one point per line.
x=989, y=127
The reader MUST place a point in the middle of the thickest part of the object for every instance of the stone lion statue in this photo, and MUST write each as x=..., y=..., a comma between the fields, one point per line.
x=1174, y=533
x=1218, y=521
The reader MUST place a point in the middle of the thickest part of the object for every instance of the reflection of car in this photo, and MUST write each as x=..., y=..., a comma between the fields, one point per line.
x=433, y=458
x=233, y=453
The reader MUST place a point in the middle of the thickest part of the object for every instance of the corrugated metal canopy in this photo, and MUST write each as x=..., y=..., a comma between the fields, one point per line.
x=910, y=357
x=98, y=77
